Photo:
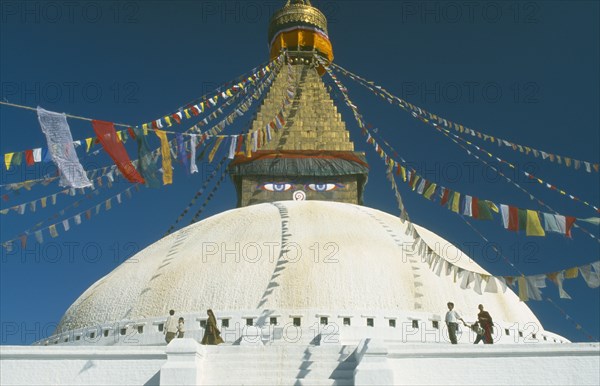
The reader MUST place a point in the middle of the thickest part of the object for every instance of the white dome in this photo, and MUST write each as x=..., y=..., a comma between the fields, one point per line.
x=232, y=261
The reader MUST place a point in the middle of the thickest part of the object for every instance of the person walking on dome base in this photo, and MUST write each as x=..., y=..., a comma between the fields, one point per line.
x=180, y=328
x=170, y=327
x=486, y=322
x=452, y=318
x=212, y=335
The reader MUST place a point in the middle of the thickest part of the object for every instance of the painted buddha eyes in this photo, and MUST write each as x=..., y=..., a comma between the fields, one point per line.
x=322, y=187
x=276, y=187
x=284, y=187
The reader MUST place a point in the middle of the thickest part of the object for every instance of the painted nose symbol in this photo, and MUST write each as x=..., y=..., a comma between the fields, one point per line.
x=299, y=195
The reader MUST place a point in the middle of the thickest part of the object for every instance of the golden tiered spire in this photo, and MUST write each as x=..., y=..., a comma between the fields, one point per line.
x=310, y=156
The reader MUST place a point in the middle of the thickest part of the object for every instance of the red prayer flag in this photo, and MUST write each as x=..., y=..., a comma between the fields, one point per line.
x=569, y=221
x=240, y=141
x=513, y=218
x=131, y=132
x=110, y=141
x=475, y=207
x=29, y=157
x=445, y=197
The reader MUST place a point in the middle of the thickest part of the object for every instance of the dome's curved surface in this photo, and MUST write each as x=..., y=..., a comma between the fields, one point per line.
x=234, y=261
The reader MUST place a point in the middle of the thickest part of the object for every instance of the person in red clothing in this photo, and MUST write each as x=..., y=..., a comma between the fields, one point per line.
x=486, y=322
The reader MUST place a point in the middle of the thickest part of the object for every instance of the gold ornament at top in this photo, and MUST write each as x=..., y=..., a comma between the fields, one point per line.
x=297, y=11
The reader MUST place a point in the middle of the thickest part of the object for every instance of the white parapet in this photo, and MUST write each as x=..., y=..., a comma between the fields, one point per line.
x=373, y=361
x=183, y=366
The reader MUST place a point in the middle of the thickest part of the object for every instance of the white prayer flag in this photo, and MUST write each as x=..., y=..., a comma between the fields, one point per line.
x=60, y=146
x=193, y=142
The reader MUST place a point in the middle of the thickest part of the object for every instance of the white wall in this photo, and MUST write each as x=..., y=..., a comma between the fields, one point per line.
x=553, y=364
x=21, y=365
x=434, y=364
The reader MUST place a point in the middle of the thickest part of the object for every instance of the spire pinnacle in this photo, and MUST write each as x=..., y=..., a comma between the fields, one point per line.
x=299, y=27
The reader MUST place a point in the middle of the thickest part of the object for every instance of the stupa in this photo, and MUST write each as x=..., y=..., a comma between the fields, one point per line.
x=309, y=286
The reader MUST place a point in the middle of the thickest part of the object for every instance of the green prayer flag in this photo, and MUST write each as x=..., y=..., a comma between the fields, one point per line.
x=484, y=210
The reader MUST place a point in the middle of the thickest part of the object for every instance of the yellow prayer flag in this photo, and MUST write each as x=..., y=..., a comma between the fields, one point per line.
x=403, y=172
x=415, y=182
x=571, y=273
x=429, y=192
x=119, y=136
x=249, y=145
x=88, y=143
x=455, y=202
x=43, y=201
x=166, y=157
x=523, y=293
x=168, y=120
x=187, y=113
x=534, y=227
x=53, y=232
x=493, y=207
x=8, y=159
x=212, y=153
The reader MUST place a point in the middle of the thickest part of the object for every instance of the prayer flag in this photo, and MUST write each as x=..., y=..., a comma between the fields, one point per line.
x=116, y=150
x=165, y=151
x=468, y=210
x=60, y=146
x=146, y=165
x=29, y=157
x=445, y=196
x=53, y=231
x=558, y=223
x=483, y=209
x=510, y=217
x=212, y=153
x=37, y=155
x=522, y=218
x=181, y=153
x=591, y=274
x=455, y=202
x=18, y=157
x=8, y=159
x=571, y=273
x=534, y=227
x=232, y=146
x=39, y=237
x=558, y=278
x=429, y=191
x=193, y=144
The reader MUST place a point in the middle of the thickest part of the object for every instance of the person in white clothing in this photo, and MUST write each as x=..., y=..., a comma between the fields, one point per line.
x=452, y=318
x=170, y=328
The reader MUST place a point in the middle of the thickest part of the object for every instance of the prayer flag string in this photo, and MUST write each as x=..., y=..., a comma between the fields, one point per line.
x=526, y=150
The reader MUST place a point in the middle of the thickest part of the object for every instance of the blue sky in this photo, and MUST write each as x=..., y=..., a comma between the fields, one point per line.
x=524, y=71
